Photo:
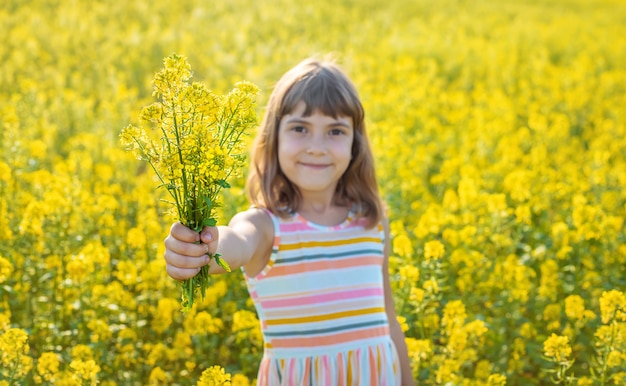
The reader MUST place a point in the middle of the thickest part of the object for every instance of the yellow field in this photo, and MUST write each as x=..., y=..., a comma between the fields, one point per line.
x=500, y=137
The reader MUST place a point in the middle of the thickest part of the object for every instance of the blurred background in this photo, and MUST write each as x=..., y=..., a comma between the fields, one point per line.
x=499, y=134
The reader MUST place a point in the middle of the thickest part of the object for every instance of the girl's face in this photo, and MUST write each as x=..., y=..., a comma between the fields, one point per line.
x=314, y=151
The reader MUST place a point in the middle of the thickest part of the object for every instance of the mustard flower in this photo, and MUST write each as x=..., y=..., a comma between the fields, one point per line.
x=454, y=315
x=615, y=359
x=14, y=350
x=240, y=380
x=613, y=306
x=574, y=307
x=203, y=323
x=409, y=275
x=201, y=146
x=475, y=328
x=136, y=238
x=416, y=295
x=100, y=330
x=156, y=353
x=247, y=327
x=419, y=349
x=214, y=376
x=403, y=324
x=557, y=347
x=434, y=250
x=158, y=377
x=82, y=352
x=6, y=269
x=163, y=316
x=85, y=371
x=402, y=245
x=5, y=320
x=496, y=380
x=5, y=172
x=48, y=366
x=126, y=272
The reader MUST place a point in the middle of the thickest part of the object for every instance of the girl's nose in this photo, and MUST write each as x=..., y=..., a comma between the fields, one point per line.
x=317, y=145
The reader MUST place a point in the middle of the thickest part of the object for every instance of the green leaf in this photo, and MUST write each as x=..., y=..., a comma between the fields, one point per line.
x=221, y=262
x=223, y=184
x=209, y=222
x=207, y=201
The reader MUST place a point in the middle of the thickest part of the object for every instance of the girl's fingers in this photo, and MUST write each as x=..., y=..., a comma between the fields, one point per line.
x=181, y=273
x=185, y=248
x=210, y=236
x=183, y=233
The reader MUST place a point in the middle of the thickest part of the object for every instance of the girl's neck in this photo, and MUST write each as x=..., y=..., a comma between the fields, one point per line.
x=328, y=214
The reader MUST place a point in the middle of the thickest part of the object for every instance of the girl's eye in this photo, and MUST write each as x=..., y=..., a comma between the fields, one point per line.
x=337, y=132
x=299, y=129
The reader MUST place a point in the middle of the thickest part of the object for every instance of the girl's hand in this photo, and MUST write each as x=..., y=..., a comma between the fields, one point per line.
x=186, y=251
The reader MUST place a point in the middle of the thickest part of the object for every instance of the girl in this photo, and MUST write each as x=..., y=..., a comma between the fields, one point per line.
x=314, y=247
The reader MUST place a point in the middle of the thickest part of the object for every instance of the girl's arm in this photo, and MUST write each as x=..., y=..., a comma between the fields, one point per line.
x=396, y=331
x=246, y=241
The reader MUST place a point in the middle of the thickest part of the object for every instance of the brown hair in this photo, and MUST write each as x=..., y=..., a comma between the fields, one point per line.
x=324, y=87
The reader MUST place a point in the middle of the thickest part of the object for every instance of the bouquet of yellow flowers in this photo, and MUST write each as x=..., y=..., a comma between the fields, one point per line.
x=194, y=145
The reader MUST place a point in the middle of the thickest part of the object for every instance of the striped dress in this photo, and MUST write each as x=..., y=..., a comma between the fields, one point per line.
x=321, y=304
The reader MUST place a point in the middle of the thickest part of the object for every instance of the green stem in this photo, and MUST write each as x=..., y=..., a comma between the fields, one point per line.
x=605, y=356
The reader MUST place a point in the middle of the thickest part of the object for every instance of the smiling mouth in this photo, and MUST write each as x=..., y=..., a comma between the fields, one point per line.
x=315, y=166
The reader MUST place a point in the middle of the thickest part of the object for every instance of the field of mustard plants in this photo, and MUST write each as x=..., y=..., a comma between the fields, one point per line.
x=500, y=137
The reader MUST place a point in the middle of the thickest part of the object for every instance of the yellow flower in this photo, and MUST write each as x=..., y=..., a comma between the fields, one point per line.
x=5, y=320
x=136, y=238
x=163, y=316
x=402, y=245
x=202, y=323
x=247, y=327
x=5, y=172
x=158, y=377
x=523, y=214
x=574, y=307
x=454, y=317
x=240, y=380
x=14, y=351
x=419, y=349
x=557, y=347
x=6, y=269
x=434, y=250
x=483, y=369
x=78, y=268
x=613, y=306
x=100, y=330
x=48, y=365
x=82, y=352
x=431, y=286
x=402, y=321
x=214, y=376
x=409, y=274
x=496, y=380
x=126, y=272
x=615, y=359
x=527, y=331
x=86, y=370
x=585, y=381
x=475, y=328
x=416, y=295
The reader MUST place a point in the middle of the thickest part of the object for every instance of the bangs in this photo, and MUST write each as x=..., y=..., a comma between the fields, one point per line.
x=327, y=91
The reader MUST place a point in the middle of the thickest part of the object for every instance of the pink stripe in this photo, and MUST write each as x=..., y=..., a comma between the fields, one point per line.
x=326, y=369
x=316, y=299
x=292, y=371
x=330, y=340
x=293, y=227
